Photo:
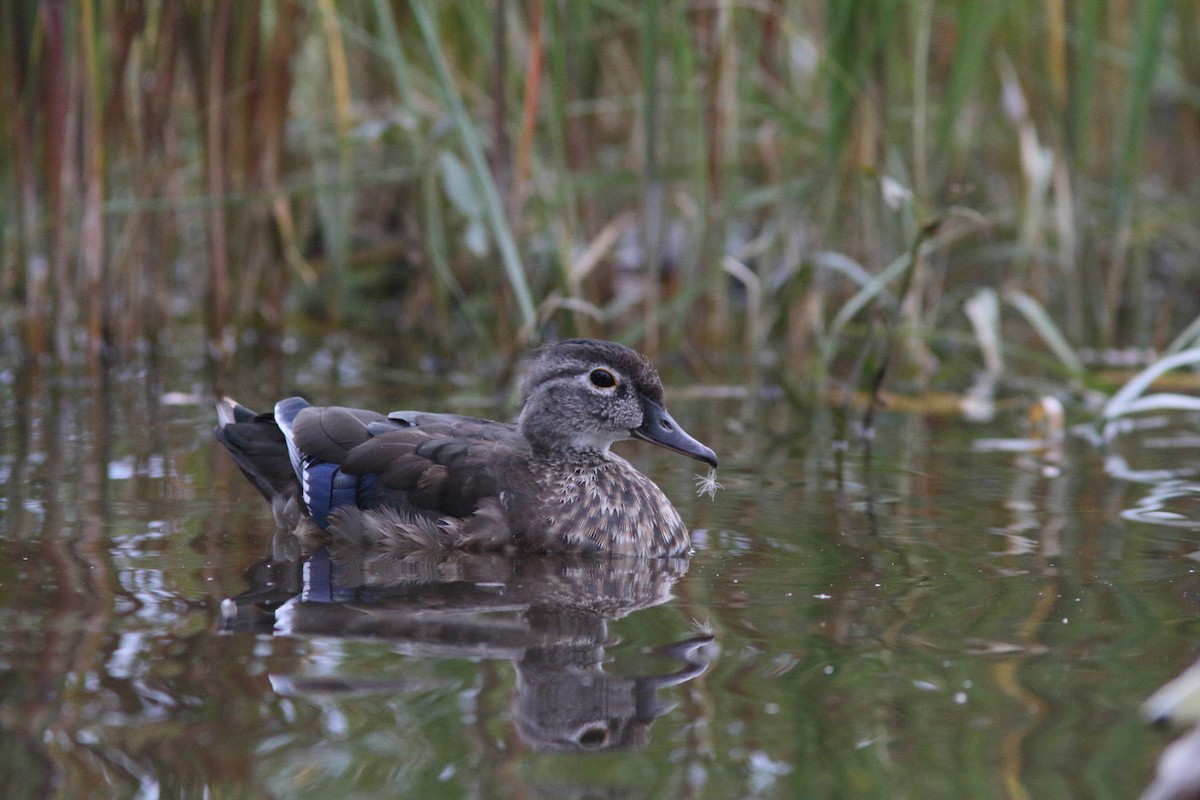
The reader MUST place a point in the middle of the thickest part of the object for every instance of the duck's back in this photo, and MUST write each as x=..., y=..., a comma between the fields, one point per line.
x=436, y=465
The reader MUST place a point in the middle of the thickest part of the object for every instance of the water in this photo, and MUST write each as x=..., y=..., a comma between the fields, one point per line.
x=945, y=615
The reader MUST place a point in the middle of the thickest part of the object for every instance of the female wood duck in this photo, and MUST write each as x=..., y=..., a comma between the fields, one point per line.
x=421, y=481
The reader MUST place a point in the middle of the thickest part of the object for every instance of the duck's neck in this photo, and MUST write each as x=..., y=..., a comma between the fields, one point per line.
x=558, y=440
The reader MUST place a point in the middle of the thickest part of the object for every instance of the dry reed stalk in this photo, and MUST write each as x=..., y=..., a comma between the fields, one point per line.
x=159, y=138
x=53, y=298
x=92, y=255
x=652, y=181
x=25, y=287
x=272, y=122
x=721, y=120
x=339, y=220
x=501, y=155
x=529, y=111
x=211, y=80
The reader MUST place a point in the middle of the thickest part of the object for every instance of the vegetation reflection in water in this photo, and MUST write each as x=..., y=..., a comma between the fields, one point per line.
x=930, y=618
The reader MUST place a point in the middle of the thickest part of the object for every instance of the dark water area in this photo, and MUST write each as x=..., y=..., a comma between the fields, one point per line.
x=947, y=614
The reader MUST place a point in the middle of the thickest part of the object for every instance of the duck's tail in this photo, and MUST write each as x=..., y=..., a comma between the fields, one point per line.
x=259, y=448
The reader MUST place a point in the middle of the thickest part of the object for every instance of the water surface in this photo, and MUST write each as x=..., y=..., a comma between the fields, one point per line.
x=936, y=616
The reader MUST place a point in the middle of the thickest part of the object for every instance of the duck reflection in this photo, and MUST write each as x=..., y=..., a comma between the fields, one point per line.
x=548, y=614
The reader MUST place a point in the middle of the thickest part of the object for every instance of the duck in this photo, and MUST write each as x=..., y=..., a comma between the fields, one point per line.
x=415, y=481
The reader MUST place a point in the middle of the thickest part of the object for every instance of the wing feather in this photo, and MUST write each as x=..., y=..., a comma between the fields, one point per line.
x=441, y=463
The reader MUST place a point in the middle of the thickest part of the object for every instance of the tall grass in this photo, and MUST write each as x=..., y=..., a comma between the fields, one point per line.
x=721, y=178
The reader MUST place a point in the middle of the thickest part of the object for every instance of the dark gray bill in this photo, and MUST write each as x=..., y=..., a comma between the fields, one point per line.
x=659, y=428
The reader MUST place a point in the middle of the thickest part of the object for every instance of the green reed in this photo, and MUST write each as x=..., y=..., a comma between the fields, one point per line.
x=725, y=179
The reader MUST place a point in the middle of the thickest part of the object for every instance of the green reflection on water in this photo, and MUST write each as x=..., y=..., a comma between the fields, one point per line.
x=931, y=621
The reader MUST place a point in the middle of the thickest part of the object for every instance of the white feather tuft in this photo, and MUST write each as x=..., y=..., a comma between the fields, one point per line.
x=707, y=484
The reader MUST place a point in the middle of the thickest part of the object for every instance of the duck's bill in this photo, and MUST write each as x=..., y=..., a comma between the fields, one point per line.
x=659, y=428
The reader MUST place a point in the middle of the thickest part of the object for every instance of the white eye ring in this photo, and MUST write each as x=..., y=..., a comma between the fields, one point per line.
x=602, y=378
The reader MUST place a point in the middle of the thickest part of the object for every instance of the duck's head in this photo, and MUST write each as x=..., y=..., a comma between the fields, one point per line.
x=585, y=394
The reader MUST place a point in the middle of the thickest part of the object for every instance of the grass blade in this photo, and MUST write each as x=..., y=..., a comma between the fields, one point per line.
x=493, y=207
x=1035, y=313
x=1123, y=402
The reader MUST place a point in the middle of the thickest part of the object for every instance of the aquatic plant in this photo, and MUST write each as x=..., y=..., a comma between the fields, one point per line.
x=758, y=180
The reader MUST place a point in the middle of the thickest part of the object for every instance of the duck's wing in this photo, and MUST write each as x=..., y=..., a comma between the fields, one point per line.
x=433, y=465
x=325, y=433
x=440, y=463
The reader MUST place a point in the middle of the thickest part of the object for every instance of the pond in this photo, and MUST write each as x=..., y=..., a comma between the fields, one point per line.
x=946, y=613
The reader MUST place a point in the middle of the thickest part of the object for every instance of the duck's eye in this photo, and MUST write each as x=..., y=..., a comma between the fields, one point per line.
x=603, y=378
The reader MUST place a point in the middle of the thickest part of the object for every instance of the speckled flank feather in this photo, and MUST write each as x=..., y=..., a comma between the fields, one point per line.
x=420, y=482
x=598, y=504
